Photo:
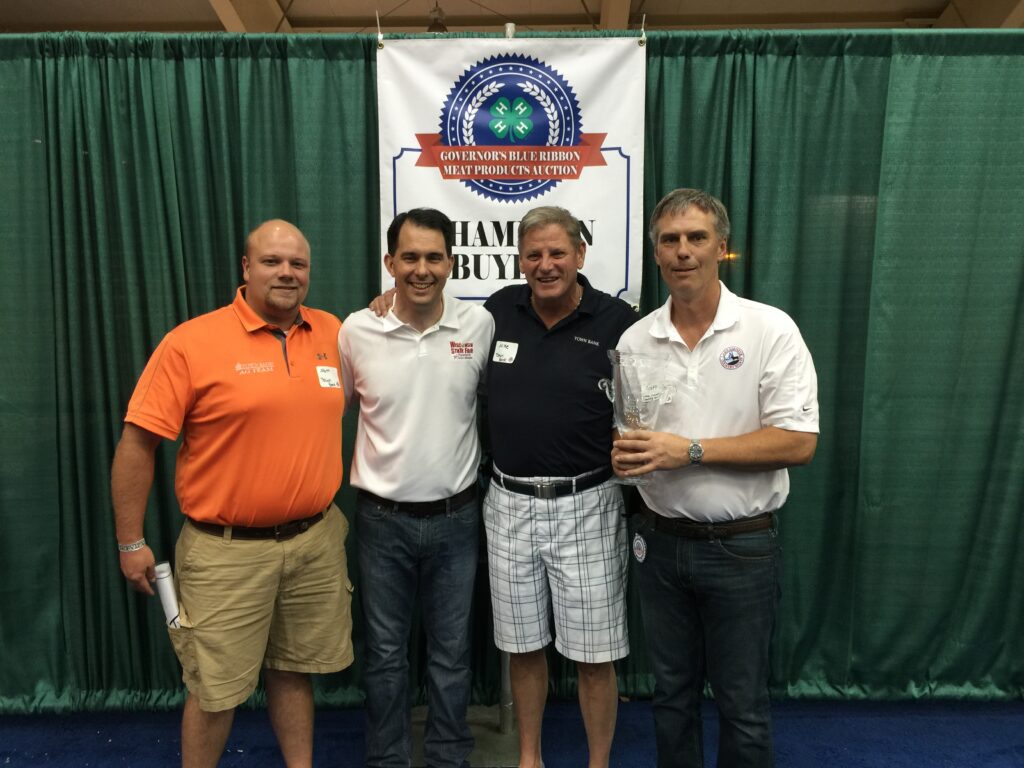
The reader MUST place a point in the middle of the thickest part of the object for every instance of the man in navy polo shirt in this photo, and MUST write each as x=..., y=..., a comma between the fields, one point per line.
x=556, y=538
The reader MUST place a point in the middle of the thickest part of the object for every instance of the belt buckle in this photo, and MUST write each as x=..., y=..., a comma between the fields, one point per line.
x=545, y=490
x=290, y=530
x=417, y=510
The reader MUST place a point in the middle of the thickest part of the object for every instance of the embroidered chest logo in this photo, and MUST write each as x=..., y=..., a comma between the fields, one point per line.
x=321, y=355
x=247, y=369
x=731, y=358
x=461, y=350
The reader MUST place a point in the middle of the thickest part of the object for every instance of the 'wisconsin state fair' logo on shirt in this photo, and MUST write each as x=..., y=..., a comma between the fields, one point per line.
x=461, y=350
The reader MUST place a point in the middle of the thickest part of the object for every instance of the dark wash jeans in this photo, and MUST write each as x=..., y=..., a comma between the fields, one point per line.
x=402, y=558
x=708, y=611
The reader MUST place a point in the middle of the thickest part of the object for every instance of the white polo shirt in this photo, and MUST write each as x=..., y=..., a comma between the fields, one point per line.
x=750, y=370
x=417, y=436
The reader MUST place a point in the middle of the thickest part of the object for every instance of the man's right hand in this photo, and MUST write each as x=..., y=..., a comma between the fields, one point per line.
x=139, y=568
x=382, y=303
x=130, y=479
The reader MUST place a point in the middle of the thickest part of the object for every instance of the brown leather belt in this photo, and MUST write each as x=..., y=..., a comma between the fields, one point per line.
x=281, y=532
x=691, y=529
x=424, y=508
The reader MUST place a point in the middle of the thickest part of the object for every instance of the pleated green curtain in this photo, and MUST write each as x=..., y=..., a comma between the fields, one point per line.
x=944, y=384
x=875, y=182
x=133, y=166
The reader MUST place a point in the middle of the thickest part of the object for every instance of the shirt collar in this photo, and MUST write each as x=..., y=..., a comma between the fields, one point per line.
x=252, y=322
x=588, y=301
x=728, y=310
x=449, y=317
x=727, y=314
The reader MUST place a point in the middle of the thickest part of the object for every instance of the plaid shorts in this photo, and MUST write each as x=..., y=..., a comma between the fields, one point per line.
x=565, y=556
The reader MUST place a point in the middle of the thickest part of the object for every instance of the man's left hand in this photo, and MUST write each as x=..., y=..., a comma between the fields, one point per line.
x=639, y=452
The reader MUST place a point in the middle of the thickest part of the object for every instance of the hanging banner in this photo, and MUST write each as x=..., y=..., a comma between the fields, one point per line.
x=486, y=129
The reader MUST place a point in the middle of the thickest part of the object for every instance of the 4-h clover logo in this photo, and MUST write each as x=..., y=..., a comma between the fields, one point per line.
x=511, y=120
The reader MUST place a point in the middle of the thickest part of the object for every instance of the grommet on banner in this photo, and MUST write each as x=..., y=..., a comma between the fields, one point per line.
x=510, y=30
x=380, y=35
x=643, y=31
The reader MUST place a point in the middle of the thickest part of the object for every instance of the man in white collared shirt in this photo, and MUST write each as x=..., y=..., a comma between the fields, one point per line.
x=415, y=374
x=744, y=408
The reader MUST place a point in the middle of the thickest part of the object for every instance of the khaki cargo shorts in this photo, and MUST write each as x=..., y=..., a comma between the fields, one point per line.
x=248, y=604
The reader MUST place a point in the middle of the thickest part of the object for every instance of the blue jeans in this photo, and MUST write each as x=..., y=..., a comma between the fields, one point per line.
x=400, y=558
x=708, y=611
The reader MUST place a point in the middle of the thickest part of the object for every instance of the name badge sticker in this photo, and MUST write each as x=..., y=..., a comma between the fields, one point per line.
x=505, y=351
x=328, y=376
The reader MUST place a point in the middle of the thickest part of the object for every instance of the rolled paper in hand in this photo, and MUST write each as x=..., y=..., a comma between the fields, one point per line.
x=168, y=597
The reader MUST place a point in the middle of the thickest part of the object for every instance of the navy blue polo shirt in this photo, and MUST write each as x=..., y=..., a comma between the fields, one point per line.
x=545, y=412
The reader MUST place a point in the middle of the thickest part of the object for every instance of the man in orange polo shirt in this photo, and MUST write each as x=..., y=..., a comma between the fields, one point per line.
x=262, y=581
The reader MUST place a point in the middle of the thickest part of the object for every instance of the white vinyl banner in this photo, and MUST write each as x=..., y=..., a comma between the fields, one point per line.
x=486, y=129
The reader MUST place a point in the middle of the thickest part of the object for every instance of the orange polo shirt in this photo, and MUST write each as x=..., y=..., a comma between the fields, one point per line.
x=260, y=416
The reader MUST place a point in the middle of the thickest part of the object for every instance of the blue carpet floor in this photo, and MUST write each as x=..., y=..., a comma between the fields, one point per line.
x=807, y=735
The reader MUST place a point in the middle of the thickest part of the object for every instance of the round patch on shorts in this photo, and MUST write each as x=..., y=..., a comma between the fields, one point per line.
x=731, y=357
x=639, y=548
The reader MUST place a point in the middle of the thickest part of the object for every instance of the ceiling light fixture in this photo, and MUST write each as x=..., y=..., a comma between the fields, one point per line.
x=437, y=25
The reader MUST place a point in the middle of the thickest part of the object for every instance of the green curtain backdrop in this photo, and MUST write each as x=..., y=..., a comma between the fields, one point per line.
x=875, y=182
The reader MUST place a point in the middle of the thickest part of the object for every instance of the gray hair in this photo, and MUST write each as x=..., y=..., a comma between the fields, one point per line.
x=678, y=200
x=551, y=214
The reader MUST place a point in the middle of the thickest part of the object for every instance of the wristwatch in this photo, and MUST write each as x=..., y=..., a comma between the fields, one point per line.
x=696, y=451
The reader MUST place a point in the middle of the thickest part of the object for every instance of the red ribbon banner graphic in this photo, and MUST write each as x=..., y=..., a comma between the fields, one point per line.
x=510, y=162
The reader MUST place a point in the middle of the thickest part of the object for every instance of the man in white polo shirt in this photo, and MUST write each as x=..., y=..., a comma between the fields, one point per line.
x=414, y=373
x=744, y=408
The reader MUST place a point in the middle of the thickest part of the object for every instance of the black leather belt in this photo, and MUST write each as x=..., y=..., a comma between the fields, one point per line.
x=280, y=532
x=424, y=508
x=554, y=488
x=691, y=529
